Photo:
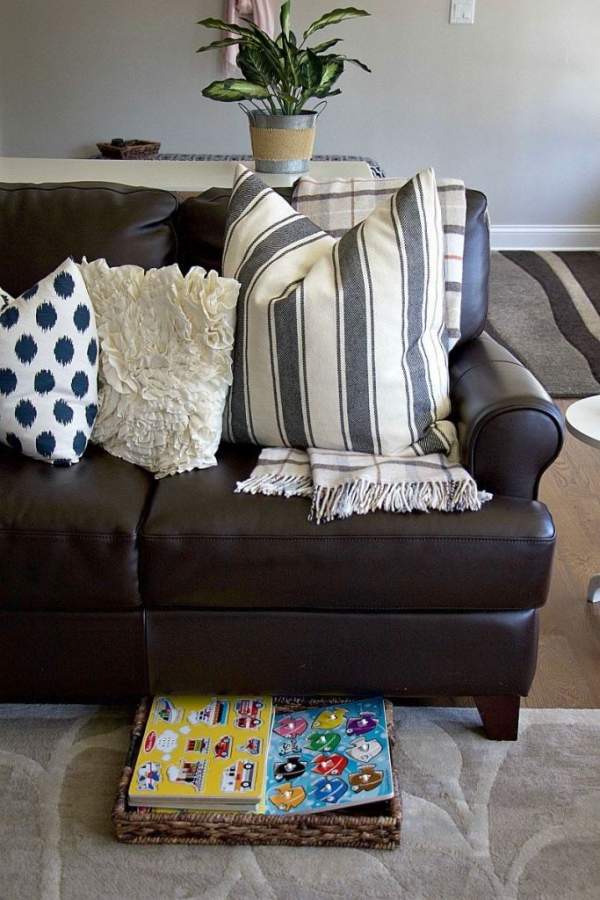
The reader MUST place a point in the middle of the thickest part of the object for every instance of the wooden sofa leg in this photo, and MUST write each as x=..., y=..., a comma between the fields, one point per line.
x=500, y=716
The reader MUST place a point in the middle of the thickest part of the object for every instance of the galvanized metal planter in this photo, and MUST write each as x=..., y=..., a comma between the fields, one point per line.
x=282, y=144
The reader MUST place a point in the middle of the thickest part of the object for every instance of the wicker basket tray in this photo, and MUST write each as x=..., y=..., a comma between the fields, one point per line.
x=376, y=826
x=130, y=150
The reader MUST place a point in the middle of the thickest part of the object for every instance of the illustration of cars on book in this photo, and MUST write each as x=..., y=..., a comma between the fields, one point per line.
x=214, y=713
x=319, y=741
x=187, y=772
x=166, y=711
x=362, y=723
x=329, y=790
x=288, y=797
x=291, y=726
x=330, y=765
x=247, y=722
x=149, y=776
x=223, y=747
x=366, y=779
x=293, y=767
x=253, y=745
x=329, y=718
x=248, y=707
x=364, y=751
x=239, y=776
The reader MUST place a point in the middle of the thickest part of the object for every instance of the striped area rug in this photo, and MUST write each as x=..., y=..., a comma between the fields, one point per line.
x=545, y=307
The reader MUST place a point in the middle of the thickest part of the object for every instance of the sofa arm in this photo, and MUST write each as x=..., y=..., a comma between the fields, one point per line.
x=510, y=431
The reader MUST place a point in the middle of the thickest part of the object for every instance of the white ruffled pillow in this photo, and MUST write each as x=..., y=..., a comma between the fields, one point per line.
x=165, y=363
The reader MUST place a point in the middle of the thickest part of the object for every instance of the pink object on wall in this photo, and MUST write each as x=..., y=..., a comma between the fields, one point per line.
x=261, y=13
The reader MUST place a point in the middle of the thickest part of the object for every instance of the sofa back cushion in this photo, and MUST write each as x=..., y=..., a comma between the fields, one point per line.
x=43, y=224
x=201, y=229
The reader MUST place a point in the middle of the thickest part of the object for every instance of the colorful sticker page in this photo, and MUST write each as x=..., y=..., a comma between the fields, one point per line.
x=200, y=749
x=329, y=757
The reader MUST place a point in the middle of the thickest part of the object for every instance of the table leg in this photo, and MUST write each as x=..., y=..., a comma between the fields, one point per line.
x=594, y=589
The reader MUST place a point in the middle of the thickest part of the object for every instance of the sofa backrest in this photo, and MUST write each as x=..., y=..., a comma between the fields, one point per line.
x=43, y=224
x=201, y=229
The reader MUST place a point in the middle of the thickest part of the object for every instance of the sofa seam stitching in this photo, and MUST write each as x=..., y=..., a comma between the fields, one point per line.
x=272, y=537
x=104, y=536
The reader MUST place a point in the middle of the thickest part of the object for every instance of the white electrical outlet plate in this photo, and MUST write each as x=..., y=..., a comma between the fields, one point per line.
x=462, y=12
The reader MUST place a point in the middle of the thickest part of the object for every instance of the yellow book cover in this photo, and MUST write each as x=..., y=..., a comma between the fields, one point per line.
x=203, y=751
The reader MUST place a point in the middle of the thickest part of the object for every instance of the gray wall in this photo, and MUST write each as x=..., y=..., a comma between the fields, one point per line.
x=511, y=104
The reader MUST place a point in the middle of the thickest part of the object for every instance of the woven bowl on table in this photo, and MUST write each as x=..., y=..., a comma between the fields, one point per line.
x=375, y=826
x=130, y=150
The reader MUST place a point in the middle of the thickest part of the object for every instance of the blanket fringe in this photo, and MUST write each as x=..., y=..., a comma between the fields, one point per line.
x=361, y=497
x=277, y=485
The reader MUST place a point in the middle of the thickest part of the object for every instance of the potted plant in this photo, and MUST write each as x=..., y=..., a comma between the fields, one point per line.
x=280, y=76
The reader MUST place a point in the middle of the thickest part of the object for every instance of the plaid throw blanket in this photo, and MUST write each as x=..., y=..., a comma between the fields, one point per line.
x=337, y=206
x=340, y=484
x=344, y=483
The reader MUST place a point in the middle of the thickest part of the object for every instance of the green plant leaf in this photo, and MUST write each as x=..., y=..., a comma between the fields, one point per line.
x=330, y=74
x=326, y=45
x=234, y=89
x=255, y=66
x=311, y=72
x=333, y=17
x=284, y=17
x=291, y=62
x=226, y=42
x=275, y=53
x=220, y=25
x=356, y=62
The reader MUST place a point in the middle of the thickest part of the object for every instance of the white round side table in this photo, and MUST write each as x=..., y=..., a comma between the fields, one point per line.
x=583, y=422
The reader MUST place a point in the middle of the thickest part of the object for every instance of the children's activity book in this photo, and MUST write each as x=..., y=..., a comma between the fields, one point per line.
x=329, y=757
x=203, y=752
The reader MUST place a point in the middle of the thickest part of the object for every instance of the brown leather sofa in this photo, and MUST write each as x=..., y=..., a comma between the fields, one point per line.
x=113, y=584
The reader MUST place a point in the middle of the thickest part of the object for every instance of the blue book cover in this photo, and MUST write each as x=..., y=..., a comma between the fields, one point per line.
x=329, y=757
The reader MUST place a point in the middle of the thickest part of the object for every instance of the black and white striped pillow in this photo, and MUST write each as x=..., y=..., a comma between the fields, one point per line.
x=339, y=343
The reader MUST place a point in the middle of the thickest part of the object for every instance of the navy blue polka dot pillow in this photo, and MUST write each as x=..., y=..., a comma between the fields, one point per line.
x=49, y=368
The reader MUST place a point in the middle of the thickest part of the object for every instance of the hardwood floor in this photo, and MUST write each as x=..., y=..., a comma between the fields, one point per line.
x=568, y=670
x=568, y=673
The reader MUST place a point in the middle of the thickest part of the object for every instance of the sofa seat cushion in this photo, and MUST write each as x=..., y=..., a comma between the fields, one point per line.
x=68, y=535
x=203, y=546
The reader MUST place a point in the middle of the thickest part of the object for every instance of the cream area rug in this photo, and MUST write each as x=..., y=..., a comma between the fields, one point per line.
x=481, y=819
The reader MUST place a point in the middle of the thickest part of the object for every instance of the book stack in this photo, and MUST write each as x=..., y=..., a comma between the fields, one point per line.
x=240, y=754
x=201, y=752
